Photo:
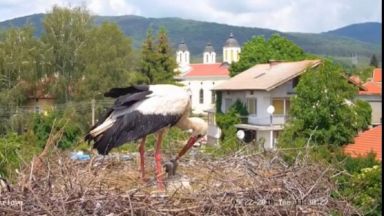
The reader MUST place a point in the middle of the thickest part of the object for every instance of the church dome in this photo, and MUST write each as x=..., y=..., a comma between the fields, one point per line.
x=182, y=46
x=209, y=48
x=231, y=42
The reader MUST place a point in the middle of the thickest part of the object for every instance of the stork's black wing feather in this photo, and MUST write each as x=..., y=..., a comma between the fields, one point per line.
x=131, y=96
x=116, y=92
x=132, y=126
x=127, y=100
x=88, y=137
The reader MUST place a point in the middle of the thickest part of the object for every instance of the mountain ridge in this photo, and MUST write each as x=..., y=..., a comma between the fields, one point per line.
x=197, y=34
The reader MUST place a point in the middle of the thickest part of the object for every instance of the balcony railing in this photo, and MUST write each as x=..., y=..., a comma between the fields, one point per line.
x=266, y=120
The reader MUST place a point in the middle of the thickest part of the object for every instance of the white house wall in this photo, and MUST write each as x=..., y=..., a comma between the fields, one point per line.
x=195, y=85
x=376, y=103
x=264, y=99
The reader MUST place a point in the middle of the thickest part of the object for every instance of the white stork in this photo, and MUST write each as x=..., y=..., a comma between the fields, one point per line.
x=142, y=110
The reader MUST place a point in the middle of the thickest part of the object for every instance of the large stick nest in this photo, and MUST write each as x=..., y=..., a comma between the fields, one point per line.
x=256, y=184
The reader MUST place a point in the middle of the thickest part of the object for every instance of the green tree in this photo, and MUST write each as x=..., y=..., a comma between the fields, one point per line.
x=19, y=51
x=325, y=106
x=374, y=62
x=157, y=59
x=20, y=68
x=107, y=61
x=149, y=57
x=65, y=34
x=166, y=60
x=259, y=51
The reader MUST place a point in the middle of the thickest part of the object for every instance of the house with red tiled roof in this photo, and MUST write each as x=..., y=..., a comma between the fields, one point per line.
x=366, y=142
x=370, y=91
x=200, y=78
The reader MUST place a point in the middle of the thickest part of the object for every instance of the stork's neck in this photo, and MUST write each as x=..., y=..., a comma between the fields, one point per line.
x=198, y=125
x=185, y=124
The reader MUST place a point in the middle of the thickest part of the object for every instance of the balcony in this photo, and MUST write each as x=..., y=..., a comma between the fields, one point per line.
x=266, y=120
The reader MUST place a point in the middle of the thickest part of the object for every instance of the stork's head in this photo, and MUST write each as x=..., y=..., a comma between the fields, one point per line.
x=199, y=127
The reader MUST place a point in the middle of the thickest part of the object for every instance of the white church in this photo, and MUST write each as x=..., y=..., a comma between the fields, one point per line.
x=200, y=78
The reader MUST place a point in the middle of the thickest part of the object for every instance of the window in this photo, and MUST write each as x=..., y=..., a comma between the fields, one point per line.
x=201, y=96
x=228, y=103
x=213, y=98
x=252, y=106
x=281, y=106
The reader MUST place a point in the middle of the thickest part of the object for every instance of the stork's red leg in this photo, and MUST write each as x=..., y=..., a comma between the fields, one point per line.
x=159, y=173
x=141, y=150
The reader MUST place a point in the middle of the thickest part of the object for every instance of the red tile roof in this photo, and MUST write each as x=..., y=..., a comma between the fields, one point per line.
x=372, y=86
x=366, y=142
x=377, y=75
x=217, y=69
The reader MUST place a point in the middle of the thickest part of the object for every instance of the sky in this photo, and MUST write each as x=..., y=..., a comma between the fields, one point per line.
x=309, y=16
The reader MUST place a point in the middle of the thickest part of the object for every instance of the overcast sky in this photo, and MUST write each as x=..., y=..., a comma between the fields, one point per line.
x=284, y=15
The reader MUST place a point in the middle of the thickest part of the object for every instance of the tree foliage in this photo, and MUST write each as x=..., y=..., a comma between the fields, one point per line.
x=65, y=34
x=374, y=62
x=226, y=121
x=325, y=107
x=148, y=63
x=258, y=51
x=157, y=60
x=166, y=59
x=107, y=61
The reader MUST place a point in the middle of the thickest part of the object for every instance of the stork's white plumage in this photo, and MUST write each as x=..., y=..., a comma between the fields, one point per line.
x=142, y=110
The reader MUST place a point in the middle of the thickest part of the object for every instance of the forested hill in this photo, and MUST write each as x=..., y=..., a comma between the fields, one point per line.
x=369, y=32
x=196, y=34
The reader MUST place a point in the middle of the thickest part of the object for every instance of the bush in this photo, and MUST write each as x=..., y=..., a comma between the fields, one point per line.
x=226, y=122
x=9, y=159
x=14, y=149
x=43, y=123
x=232, y=117
x=363, y=188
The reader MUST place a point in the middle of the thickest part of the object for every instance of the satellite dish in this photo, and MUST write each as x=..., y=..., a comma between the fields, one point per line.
x=240, y=134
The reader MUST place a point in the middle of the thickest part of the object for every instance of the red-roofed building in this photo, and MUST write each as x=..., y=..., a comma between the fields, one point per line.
x=370, y=91
x=377, y=75
x=200, y=78
x=366, y=142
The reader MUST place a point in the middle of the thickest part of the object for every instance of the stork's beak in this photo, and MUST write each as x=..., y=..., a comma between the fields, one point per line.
x=192, y=140
x=189, y=144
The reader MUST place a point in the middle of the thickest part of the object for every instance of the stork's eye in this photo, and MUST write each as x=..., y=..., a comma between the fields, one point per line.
x=199, y=136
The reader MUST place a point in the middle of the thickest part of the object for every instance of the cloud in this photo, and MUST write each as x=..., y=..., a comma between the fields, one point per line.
x=283, y=15
x=112, y=7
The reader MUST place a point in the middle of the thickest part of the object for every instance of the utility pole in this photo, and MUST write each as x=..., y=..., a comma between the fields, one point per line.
x=93, y=102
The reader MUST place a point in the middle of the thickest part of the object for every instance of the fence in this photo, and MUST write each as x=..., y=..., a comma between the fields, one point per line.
x=15, y=117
